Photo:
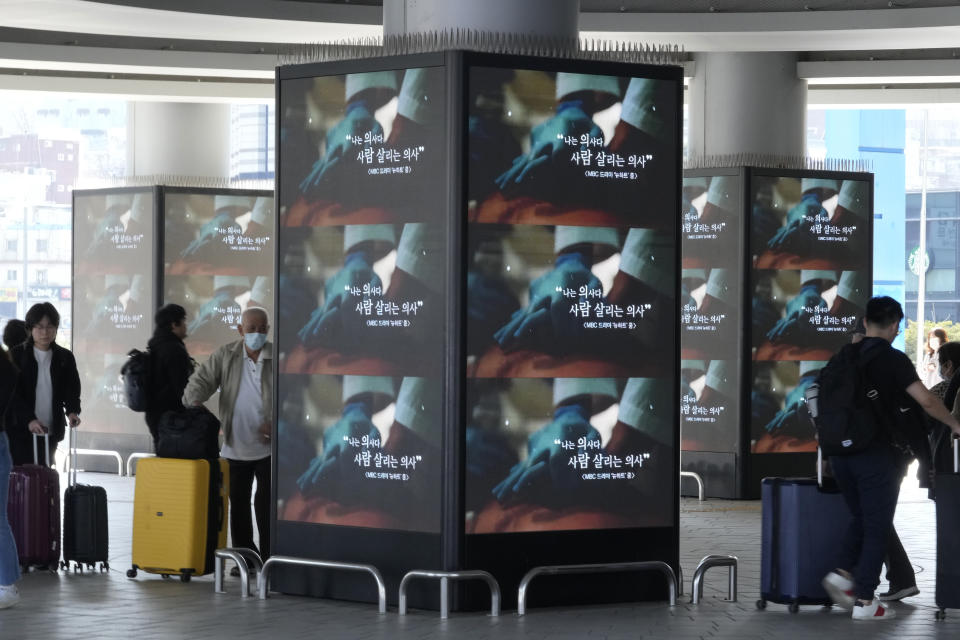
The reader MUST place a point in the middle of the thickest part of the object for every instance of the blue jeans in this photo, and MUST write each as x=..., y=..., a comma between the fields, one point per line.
x=9, y=564
x=870, y=484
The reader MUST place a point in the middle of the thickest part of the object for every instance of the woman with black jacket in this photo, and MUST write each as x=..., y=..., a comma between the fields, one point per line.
x=47, y=396
x=170, y=365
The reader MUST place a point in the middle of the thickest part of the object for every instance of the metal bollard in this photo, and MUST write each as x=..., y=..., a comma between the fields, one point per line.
x=445, y=577
x=696, y=589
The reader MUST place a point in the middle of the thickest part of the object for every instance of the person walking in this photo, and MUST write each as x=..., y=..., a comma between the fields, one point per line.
x=243, y=371
x=869, y=479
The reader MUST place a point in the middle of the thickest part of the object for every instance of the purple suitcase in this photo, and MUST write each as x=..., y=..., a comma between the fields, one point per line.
x=33, y=510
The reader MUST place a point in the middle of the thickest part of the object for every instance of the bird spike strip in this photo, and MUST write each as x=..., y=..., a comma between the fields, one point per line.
x=773, y=161
x=190, y=182
x=486, y=42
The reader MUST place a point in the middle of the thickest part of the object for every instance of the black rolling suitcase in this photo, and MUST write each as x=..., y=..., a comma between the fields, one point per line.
x=85, y=527
x=947, y=487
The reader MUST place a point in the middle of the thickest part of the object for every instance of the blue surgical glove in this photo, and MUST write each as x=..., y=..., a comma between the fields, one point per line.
x=547, y=141
x=221, y=303
x=794, y=405
x=357, y=121
x=487, y=453
x=354, y=423
x=325, y=322
x=220, y=225
x=796, y=313
x=546, y=469
x=797, y=220
x=546, y=321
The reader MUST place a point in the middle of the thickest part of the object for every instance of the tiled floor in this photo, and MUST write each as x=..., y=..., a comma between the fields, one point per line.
x=111, y=606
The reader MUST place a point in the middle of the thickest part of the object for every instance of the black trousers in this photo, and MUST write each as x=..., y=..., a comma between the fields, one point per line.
x=242, y=473
x=899, y=568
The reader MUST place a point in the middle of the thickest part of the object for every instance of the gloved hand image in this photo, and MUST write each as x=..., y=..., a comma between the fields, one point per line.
x=792, y=418
x=328, y=322
x=794, y=234
x=547, y=142
x=545, y=473
x=546, y=322
x=335, y=463
x=797, y=317
x=357, y=121
x=213, y=310
x=490, y=304
x=211, y=233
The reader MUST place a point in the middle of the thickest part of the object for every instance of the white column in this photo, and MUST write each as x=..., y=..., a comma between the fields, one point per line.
x=534, y=17
x=180, y=138
x=747, y=103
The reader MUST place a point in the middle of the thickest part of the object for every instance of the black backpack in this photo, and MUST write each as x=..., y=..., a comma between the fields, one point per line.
x=846, y=407
x=136, y=379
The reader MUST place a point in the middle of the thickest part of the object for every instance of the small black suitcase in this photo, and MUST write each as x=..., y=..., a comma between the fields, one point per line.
x=85, y=526
x=947, y=486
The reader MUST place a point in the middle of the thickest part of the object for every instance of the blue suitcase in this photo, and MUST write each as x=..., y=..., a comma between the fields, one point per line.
x=802, y=527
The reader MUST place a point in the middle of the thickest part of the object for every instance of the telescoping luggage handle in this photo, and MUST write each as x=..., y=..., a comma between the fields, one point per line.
x=956, y=454
x=72, y=444
x=46, y=448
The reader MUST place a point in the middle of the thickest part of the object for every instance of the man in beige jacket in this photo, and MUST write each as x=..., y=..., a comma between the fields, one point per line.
x=243, y=371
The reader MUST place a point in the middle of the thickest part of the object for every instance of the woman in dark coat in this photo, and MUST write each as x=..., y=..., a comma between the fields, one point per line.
x=47, y=396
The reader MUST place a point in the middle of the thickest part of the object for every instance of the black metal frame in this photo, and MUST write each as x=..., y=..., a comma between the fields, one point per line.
x=508, y=556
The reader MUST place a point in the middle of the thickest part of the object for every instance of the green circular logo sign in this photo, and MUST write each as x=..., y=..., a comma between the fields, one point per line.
x=913, y=261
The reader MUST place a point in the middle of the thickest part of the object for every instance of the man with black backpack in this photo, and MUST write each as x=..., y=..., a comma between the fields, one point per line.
x=861, y=393
x=169, y=366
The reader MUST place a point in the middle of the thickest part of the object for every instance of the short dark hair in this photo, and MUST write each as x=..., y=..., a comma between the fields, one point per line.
x=950, y=352
x=14, y=333
x=169, y=314
x=40, y=311
x=883, y=311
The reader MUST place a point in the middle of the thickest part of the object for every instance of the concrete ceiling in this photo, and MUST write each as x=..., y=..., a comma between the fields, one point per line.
x=235, y=42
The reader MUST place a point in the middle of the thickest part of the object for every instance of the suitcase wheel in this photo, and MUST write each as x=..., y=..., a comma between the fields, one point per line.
x=941, y=614
x=794, y=607
x=165, y=576
x=761, y=604
x=184, y=577
x=63, y=565
x=131, y=573
x=104, y=566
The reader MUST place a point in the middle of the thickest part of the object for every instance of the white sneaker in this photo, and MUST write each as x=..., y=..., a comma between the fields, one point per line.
x=9, y=596
x=840, y=590
x=875, y=611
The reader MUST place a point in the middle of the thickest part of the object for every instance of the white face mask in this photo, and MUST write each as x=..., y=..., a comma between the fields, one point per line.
x=255, y=341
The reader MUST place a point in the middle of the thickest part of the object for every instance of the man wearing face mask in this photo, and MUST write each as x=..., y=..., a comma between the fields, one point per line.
x=243, y=371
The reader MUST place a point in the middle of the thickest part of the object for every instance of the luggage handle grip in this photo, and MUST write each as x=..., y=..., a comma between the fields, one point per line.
x=46, y=448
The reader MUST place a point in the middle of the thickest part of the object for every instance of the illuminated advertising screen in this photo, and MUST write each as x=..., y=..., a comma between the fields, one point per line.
x=810, y=251
x=710, y=316
x=113, y=302
x=572, y=200
x=362, y=302
x=218, y=259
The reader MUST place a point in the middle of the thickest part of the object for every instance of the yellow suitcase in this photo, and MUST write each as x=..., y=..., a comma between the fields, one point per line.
x=179, y=516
